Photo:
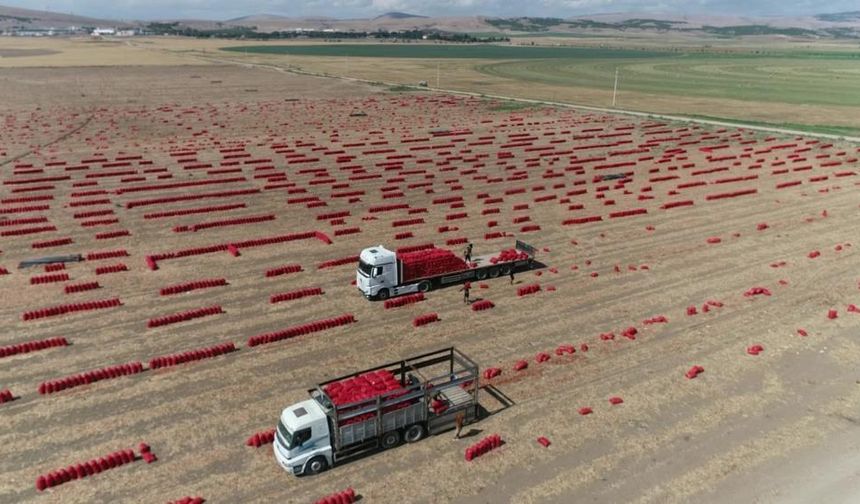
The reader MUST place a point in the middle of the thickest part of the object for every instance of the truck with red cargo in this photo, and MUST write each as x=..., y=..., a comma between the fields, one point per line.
x=383, y=273
x=377, y=408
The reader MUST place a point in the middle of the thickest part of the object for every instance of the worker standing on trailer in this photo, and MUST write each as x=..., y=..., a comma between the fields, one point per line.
x=467, y=253
x=465, y=289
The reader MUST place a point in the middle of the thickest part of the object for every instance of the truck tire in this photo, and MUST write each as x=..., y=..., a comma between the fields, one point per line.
x=414, y=433
x=316, y=465
x=505, y=270
x=494, y=272
x=425, y=286
x=382, y=294
x=481, y=274
x=390, y=439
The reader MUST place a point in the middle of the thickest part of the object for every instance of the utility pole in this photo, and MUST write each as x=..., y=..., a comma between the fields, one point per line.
x=437, y=75
x=615, y=87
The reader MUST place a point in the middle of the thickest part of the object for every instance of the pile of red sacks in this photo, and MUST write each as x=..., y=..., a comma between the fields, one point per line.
x=6, y=396
x=44, y=279
x=484, y=304
x=757, y=291
x=483, y=446
x=107, y=254
x=184, y=316
x=430, y=262
x=191, y=355
x=70, y=308
x=427, y=318
x=694, y=372
x=404, y=300
x=81, y=287
x=261, y=438
x=755, y=349
x=190, y=286
x=146, y=453
x=343, y=497
x=296, y=294
x=362, y=387
x=528, y=289
x=301, y=330
x=491, y=373
x=565, y=349
x=51, y=386
x=32, y=346
x=113, y=268
x=84, y=469
x=283, y=270
x=509, y=255
x=189, y=500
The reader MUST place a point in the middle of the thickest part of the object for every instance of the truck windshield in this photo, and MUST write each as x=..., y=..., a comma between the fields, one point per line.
x=286, y=435
x=364, y=268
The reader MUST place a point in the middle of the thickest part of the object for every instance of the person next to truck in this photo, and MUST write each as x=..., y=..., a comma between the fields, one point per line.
x=465, y=289
x=458, y=420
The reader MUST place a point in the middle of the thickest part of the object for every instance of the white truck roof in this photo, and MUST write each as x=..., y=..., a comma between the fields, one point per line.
x=302, y=414
x=377, y=255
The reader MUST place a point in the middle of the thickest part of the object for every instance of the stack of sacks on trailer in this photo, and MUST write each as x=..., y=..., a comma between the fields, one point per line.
x=362, y=387
x=430, y=262
x=509, y=255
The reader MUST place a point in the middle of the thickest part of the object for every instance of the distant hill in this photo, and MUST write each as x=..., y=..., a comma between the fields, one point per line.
x=398, y=15
x=841, y=25
x=256, y=17
x=14, y=17
x=720, y=26
x=840, y=17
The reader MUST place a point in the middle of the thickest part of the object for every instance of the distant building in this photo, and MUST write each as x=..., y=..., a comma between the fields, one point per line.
x=101, y=32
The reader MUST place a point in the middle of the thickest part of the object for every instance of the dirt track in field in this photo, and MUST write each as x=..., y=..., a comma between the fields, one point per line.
x=738, y=427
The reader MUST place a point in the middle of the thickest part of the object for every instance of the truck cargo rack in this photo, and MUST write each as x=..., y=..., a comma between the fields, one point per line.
x=454, y=377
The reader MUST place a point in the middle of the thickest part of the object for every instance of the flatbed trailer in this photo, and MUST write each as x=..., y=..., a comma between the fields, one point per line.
x=380, y=273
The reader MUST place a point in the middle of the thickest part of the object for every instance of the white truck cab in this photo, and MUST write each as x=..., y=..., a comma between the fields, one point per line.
x=302, y=439
x=377, y=270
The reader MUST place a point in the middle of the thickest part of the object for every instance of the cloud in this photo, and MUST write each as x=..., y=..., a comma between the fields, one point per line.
x=224, y=9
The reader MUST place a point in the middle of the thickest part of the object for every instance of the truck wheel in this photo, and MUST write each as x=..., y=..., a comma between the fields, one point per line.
x=424, y=286
x=481, y=274
x=494, y=272
x=316, y=465
x=505, y=270
x=390, y=440
x=414, y=433
x=382, y=294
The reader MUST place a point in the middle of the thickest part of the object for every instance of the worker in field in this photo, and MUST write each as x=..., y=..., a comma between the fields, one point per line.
x=465, y=289
x=459, y=419
x=467, y=253
x=512, y=276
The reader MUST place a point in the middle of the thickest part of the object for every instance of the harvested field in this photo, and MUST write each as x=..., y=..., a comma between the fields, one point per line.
x=664, y=246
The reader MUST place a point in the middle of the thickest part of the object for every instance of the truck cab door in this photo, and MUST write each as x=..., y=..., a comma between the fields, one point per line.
x=385, y=275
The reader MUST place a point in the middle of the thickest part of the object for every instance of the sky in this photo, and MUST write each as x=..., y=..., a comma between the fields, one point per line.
x=344, y=9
